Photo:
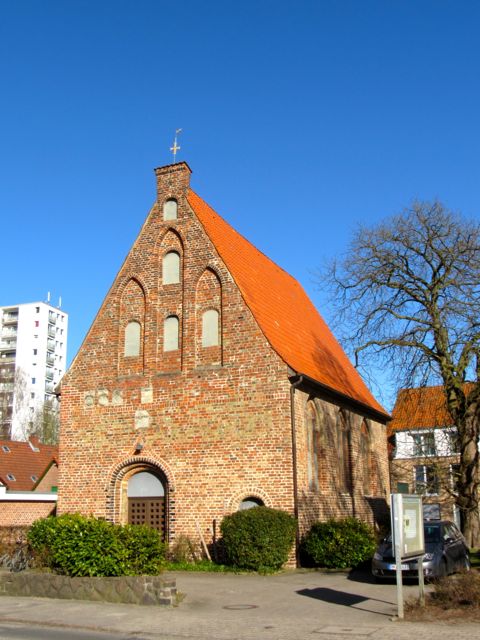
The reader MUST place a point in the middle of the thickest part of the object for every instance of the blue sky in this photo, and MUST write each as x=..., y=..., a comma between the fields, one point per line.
x=300, y=119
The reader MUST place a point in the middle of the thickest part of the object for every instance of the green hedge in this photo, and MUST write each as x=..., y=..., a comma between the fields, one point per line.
x=85, y=546
x=339, y=544
x=259, y=539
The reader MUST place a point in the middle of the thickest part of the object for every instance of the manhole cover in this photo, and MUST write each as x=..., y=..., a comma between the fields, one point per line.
x=240, y=607
x=347, y=631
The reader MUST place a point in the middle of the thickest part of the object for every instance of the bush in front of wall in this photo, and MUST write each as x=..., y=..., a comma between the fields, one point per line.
x=258, y=539
x=339, y=544
x=145, y=551
x=86, y=546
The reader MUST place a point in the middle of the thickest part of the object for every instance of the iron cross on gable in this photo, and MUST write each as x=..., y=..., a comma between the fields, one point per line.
x=175, y=147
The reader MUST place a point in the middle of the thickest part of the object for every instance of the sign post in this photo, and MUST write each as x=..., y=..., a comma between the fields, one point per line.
x=407, y=539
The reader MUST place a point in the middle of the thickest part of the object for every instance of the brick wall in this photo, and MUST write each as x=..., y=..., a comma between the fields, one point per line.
x=326, y=493
x=23, y=513
x=212, y=422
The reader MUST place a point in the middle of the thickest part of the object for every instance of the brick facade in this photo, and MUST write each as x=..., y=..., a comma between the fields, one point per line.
x=214, y=422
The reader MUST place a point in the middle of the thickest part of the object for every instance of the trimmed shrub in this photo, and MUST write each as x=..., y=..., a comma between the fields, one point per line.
x=340, y=544
x=259, y=539
x=79, y=546
x=145, y=551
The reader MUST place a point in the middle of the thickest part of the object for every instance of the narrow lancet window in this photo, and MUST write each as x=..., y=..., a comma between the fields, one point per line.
x=170, y=333
x=170, y=209
x=171, y=268
x=132, y=339
x=210, y=329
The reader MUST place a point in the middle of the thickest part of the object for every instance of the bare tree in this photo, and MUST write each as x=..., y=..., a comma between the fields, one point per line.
x=20, y=418
x=408, y=293
x=47, y=421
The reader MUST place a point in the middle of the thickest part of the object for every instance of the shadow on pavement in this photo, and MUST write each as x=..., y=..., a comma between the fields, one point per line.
x=342, y=598
x=333, y=596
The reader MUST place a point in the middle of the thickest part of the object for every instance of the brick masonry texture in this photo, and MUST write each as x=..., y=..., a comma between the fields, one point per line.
x=214, y=423
x=17, y=514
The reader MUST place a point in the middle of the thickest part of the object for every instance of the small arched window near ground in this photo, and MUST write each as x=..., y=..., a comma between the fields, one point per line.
x=170, y=209
x=171, y=268
x=132, y=339
x=170, y=333
x=210, y=328
x=250, y=503
x=146, y=500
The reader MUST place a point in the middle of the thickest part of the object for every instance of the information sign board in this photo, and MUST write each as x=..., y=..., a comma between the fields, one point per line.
x=407, y=525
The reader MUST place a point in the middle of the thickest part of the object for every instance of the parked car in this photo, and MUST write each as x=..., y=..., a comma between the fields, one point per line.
x=445, y=552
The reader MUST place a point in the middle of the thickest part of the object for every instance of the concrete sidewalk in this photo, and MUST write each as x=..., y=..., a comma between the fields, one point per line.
x=288, y=606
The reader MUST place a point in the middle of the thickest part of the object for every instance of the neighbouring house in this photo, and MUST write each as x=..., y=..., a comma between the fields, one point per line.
x=28, y=482
x=425, y=452
x=208, y=382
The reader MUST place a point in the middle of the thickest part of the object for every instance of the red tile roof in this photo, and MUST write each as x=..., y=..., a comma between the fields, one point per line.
x=421, y=408
x=284, y=312
x=23, y=460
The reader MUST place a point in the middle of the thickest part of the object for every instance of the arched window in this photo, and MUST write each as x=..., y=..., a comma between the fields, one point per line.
x=210, y=329
x=144, y=485
x=170, y=333
x=250, y=503
x=170, y=209
x=171, y=268
x=312, y=447
x=132, y=339
x=343, y=448
x=366, y=457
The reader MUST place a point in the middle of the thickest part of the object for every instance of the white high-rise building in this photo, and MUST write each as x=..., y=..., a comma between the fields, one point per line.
x=33, y=353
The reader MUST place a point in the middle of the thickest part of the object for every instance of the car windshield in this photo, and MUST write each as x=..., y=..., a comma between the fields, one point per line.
x=432, y=533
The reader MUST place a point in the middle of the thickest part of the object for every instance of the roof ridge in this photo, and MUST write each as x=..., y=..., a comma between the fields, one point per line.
x=262, y=253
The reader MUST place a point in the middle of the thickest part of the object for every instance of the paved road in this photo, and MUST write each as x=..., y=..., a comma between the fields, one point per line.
x=288, y=606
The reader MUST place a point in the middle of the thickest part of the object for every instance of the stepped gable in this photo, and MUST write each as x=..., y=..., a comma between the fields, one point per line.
x=284, y=312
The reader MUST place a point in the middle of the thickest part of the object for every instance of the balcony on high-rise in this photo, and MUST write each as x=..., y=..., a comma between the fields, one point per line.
x=10, y=318
x=8, y=344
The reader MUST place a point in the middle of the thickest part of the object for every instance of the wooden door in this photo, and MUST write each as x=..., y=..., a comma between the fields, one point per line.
x=149, y=511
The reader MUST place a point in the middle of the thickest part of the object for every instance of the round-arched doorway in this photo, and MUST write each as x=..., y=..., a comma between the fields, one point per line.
x=146, y=500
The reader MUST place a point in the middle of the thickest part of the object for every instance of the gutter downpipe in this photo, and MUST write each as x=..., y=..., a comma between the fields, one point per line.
x=293, y=386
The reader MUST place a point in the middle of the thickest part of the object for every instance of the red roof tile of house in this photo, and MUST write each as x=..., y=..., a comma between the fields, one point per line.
x=284, y=312
x=26, y=462
x=421, y=408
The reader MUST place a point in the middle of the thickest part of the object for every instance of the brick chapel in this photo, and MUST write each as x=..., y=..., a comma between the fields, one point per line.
x=208, y=383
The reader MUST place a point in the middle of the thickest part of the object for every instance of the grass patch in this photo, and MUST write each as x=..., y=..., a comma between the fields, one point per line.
x=213, y=567
x=201, y=565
